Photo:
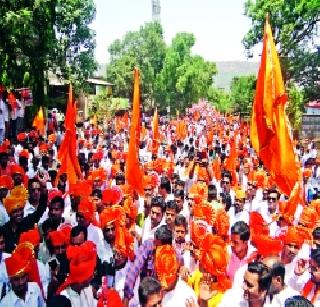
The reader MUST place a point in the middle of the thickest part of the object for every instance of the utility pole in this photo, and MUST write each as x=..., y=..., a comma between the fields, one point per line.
x=156, y=9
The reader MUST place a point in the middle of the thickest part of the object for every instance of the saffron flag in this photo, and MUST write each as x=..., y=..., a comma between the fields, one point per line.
x=155, y=133
x=134, y=173
x=270, y=131
x=38, y=122
x=67, y=154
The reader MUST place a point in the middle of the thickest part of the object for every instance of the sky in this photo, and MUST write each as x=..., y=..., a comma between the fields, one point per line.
x=218, y=25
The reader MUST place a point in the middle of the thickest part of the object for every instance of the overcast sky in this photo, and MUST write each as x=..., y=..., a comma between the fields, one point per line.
x=218, y=25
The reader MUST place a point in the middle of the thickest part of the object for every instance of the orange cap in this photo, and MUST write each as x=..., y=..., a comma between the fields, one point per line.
x=32, y=236
x=6, y=182
x=166, y=265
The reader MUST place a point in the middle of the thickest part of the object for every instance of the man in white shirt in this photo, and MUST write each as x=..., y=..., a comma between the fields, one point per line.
x=238, y=212
x=3, y=114
x=155, y=219
x=23, y=293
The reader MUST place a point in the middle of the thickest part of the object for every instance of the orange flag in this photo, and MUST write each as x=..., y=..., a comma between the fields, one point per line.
x=155, y=132
x=231, y=160
x=67, y=154
x=133, y=171
x=269, y=131
x=38, y=122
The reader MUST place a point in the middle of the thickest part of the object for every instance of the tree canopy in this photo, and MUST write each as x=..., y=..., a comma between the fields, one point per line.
x=295, y=26
x=42, y=35
x=170, y=75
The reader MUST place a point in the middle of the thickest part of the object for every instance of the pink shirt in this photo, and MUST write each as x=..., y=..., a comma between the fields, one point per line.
x=235, y=263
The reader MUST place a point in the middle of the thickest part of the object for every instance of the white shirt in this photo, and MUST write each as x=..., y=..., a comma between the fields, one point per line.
x=179, y=295
x=28, y=209
x=4, y=217
x=292, y=280
x=95, y=234
x=33, y=298
x=147, y=231
x=279, y=299
x=84, y=299
x=233, y=298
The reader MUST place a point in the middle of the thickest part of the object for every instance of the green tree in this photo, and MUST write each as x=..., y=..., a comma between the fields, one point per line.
x=242, y=92
x=294, y=23
x=295, y=105
x=220, y=99
x=41, y=35
x=145, y=49
x=295, y=26
x=184, y=78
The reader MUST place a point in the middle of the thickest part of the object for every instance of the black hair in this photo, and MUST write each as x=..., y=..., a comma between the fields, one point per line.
x=242, y=229
x=165, y=184
x=97, y=192
x=316, y=233
x=179, y=193
x=49, y=223
x=171, y=204
x=315, y=255
x=59, y=200
x=148, y=286
x=297, y=301
x=180, y=182
x=58, y=300
x=158, y=201
x=278, y=269
x=275, y=191
x=264, y=275
x=180, y=220
x=76, y=230
x=164, y=234
x=31, y=181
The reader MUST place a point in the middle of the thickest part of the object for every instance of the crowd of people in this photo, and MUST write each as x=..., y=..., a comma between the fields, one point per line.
x=209, y=229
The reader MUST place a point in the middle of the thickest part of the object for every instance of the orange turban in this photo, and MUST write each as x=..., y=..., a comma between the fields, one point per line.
x=166, y=265
x=112, y=195
x=130, y=209
x=198, y=231
x=114, y=214
x=308, y=217
x=87, y=209
x=203, y=175
x=257, y=224
x=6, y=182
x=60, y=237
x=17, y=169
x=21, y=137
x=16, y=264
x=293, y=237
x=13, y=202
x=83, y=259
x=43, y=147
x=307, y=172
x=98, y=174
x=213, y=255
x=32, y=236
x=126, y=190
x=81, y=188
x=109, y=298
x=24, y=153
x=222, y=224
x=267, y=246
x=97, y=156
x=52, y=138
x=204, y=211
x=150, y=180
x=124, y=242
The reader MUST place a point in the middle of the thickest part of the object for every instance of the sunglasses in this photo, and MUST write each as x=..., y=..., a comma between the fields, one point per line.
x=225, y=182
x=272, y=199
